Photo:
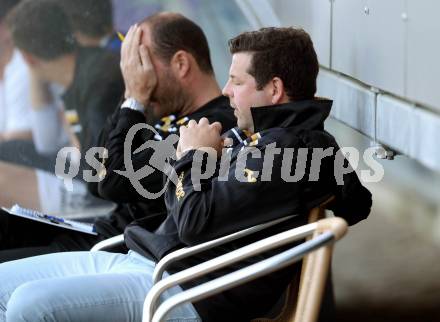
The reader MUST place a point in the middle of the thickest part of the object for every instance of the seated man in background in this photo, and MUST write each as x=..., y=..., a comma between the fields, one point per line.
x=271, y=87
x=93, y=85
x=92, y=23
x=185, y=88
x=90, y=77
x=14, y=85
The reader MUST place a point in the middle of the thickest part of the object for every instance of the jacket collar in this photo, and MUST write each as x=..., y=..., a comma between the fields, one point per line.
x=306, y=114
x=172, y=122
x=212, y=104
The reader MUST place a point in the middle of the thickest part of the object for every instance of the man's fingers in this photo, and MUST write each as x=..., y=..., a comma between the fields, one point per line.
x=124, y=46
x=145, y=57
x=203, y=121
x=192, y=123
x=179, y=151
x=217, y=126
x=133, y=45
x=137, y=35
x=182, y=130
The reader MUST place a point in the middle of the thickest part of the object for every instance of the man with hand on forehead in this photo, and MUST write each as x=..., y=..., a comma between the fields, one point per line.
x=165, y=61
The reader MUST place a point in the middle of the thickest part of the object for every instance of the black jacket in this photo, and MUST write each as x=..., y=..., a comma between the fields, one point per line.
x=223, y=207
x=96, y=89
x=117, y=188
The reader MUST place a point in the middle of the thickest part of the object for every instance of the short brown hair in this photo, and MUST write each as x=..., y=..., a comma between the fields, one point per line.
x=286, y=53
x=172, y=32
x=41, y=28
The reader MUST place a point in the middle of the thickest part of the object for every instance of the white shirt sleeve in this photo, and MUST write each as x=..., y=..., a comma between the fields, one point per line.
x=47, y=129
x=17, y=95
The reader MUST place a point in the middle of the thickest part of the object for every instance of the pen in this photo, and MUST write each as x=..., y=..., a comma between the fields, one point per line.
x=56, y=220
x=78, y=225
x=120, y=36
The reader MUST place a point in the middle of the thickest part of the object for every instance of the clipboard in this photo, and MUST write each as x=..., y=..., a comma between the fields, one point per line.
x=31, y=214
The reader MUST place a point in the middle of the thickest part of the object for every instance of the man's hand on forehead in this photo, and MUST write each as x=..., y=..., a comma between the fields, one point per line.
x=137, y=69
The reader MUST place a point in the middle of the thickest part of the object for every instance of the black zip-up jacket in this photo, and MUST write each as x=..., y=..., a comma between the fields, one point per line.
x=223, y=207
x=96, y=88
x=117, y=188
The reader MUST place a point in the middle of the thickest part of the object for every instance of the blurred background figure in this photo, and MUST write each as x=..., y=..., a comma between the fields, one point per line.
x=14, y=85
x=71, y=91
x=92, y=23
x=88, y=78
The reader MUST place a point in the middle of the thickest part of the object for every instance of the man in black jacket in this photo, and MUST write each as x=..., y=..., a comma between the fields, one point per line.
x=271, y=87
x=182, y=87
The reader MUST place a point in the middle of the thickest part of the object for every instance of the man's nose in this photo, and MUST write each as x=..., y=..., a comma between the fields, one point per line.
x=226, y=91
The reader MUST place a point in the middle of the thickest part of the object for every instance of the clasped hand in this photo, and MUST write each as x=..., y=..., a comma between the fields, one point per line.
x=200, y=136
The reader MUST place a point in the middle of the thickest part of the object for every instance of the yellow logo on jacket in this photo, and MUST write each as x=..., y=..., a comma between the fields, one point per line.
x=180, y=193
x=250, y=175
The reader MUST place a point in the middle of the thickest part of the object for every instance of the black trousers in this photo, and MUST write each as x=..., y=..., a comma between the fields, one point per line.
x=21, y=238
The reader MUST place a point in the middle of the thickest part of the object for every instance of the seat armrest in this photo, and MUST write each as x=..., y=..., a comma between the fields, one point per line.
x=236, y=278
x=315, y=215
x=227, y=259
x=108, y=243
x=189, y=251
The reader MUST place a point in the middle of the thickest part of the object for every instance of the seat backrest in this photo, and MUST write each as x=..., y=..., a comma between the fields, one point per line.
x=305, y=292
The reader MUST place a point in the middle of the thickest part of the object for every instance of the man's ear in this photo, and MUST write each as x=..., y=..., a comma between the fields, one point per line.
x=277, y=91
x=181, y=63
x=30, y=59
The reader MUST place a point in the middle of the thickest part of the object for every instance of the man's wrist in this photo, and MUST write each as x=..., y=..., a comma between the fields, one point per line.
x=185, y=161
x=133, y=104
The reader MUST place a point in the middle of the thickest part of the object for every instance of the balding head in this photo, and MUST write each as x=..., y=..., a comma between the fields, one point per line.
x=179, y=54
x=170, y=32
